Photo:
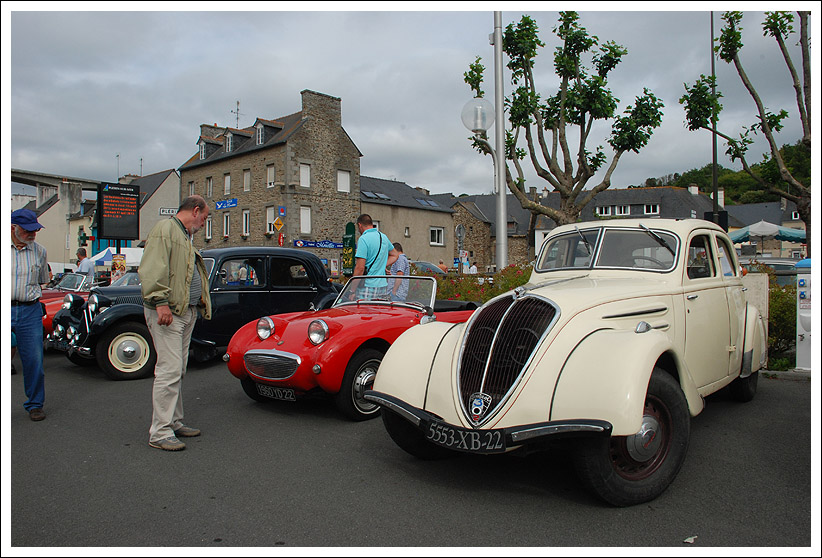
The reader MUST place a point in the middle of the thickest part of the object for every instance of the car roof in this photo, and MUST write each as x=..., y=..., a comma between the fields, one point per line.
x=681, y=227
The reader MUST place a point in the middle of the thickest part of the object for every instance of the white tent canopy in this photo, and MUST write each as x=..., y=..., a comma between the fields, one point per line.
x=133, y=256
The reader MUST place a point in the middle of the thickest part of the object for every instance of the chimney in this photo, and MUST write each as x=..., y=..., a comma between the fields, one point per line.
x=533, y=192
x=423, y=190
x=693, y=189
x=721, y=197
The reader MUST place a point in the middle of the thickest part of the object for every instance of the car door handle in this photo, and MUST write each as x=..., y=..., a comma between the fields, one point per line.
x=692, y=297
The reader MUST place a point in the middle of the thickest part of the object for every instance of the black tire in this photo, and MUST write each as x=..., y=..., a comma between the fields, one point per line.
x=80, y=360
x=411, y=439
x=359, y=377
x=126, y=352
x=250, y=389
x=744, y=389
x=629, y=470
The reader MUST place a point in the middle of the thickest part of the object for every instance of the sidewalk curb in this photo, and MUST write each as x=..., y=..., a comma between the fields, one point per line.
x=799, y=374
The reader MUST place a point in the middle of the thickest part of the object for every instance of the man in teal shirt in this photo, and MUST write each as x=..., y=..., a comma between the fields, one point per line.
x=374, y=254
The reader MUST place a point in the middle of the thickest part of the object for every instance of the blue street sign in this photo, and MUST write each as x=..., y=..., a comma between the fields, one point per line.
x=281, y=211
x=225, y=204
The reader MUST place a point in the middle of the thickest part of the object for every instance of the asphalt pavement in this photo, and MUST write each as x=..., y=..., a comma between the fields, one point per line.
x=289, y=475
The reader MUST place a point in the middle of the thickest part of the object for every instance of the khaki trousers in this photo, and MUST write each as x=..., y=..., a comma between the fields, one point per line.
x=171, y=342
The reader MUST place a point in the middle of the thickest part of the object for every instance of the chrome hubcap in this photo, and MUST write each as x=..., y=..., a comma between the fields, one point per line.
x=362, y=383
x=643, y=445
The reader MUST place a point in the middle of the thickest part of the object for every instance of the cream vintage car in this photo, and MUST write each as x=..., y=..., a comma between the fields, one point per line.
x=622, y=330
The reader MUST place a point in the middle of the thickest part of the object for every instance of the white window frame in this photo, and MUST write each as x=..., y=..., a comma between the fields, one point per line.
x=208, y=228
x=228, y=142
x=344, y=181
x=202, y=150
x=436, y=236
x=246, y=180
x=270, y=176
x=270, y=218
x=260, y=131
x=604, y=211
x=622, y=210
x=795, y=216
x=226, y=224
x=209, y=187
x=226, y=184
x=246, y=222
x=407, y=232
x=305, y=219
x=191, y=188
x=305, y=175
x=651, y=209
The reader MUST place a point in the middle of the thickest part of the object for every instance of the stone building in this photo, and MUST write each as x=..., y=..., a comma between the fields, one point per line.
x=290, y=181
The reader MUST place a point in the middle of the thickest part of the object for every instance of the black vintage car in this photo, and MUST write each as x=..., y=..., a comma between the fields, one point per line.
x=245, y=284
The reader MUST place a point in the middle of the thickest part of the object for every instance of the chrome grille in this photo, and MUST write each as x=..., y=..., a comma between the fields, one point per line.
x=498, y=346
x=274, y=365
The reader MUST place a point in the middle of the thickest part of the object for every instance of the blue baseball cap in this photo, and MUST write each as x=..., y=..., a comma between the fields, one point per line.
x=25, y=218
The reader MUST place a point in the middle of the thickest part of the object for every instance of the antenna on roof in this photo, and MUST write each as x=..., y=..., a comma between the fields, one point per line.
x=237, y=112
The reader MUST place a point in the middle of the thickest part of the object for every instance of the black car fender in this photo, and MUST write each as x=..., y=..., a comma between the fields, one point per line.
x=110, y=316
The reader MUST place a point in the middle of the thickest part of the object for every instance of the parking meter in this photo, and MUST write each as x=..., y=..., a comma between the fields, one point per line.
x=803, y=314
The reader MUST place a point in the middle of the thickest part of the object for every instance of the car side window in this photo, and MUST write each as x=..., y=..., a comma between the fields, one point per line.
x=241, y=272
x=286, y=272
x=726, y=261
x=700, y=260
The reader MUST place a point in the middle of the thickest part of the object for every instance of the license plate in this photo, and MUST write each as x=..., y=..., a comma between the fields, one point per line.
x=57, y=345
x=284, y=394
x=462, y=439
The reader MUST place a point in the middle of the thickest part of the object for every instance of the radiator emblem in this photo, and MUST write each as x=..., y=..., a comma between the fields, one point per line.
x=480, y=403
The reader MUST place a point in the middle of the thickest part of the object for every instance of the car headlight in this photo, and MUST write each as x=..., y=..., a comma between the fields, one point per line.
x=67, y=302
x=70, y=333
x=265, y=327
x=93, y=304
x=59, y=329
x=317, y=331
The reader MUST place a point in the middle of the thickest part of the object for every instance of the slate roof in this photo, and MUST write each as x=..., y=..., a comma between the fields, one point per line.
x=399, y=194
x=149, y=184
x=772, y=212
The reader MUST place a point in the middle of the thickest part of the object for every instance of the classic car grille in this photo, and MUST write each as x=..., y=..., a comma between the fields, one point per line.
x=129, y=299
x=272, y=365
x=500, y=341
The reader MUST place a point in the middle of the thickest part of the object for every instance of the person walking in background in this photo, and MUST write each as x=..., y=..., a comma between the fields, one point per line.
x=29, y=271
x=442, y=266
x=399, y=290
x=373, y=256
x=174, y=287
x=85, y=265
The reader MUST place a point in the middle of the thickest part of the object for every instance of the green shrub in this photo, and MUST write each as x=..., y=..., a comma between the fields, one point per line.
x=781, y=318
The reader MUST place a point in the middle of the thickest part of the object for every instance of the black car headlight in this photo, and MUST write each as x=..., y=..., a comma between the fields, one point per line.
x=317, y=331
x=73, y=302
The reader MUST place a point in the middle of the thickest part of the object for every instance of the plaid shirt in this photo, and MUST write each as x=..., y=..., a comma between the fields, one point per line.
x=372, y=293
x=29, y=269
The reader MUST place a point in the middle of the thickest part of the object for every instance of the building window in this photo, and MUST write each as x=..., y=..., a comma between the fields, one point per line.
x=437, y=236
x=795, y=216
x=228, y=143
x=227, y=186
x=343, y=181
x=209, y=187
x=226, y=224
x=407, y=232
x=270, y=217
x=622, y=210
x=260, y=129
x=651, y=209
x=246, y=221
x=270, y=174
x=604, y=211
x=246, y=180
x=191, y=188
x=202, y=150
x=305, y=219
x=208, y=228
x=305, y=175
x=376, y=224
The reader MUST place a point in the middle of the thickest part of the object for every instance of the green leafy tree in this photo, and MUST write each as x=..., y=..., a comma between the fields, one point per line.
x=702, y=107
x=548, y=124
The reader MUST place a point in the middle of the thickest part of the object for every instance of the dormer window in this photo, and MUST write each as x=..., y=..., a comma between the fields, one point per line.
x=202, y=150
x=228, y=138
x=260, y=134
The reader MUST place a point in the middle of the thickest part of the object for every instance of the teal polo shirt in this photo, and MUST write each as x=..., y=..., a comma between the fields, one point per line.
x=374, y=254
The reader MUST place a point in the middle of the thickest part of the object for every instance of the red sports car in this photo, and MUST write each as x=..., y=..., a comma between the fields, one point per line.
x=338, y=350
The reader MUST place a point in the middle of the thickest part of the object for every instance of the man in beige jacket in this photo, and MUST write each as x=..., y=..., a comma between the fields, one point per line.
x=174, y=285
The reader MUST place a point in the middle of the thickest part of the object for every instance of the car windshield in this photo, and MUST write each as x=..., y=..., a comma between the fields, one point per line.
x=380, y=289
x=613, y=248
x=131, y=278
x=71, y=282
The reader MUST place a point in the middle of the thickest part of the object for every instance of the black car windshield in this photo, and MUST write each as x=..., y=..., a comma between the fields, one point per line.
x=613, y=248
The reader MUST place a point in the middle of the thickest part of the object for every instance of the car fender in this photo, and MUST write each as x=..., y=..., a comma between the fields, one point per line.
x=111, y=315
x=613, y=390
x=407, y=366
x=755, y=348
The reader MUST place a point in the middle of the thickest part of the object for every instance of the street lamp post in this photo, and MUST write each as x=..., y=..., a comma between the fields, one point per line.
x=478, y=115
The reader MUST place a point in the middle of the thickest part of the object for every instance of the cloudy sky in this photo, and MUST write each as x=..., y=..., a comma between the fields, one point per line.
x=82, y=87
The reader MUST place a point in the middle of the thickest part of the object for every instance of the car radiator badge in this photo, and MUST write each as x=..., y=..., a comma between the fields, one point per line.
x=480, y=403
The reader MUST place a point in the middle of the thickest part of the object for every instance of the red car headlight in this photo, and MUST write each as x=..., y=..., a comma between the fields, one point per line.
x=317, y=331
x=265, y=327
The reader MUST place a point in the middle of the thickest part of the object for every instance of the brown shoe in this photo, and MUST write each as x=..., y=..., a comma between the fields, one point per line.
x=37, y=414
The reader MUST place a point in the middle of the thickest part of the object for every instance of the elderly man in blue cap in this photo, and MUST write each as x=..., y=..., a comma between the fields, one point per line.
x=29, y=271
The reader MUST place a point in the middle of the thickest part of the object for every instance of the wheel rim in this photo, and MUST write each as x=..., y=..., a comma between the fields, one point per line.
x=128, y=352
x=363, y=382
x=639, y=456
